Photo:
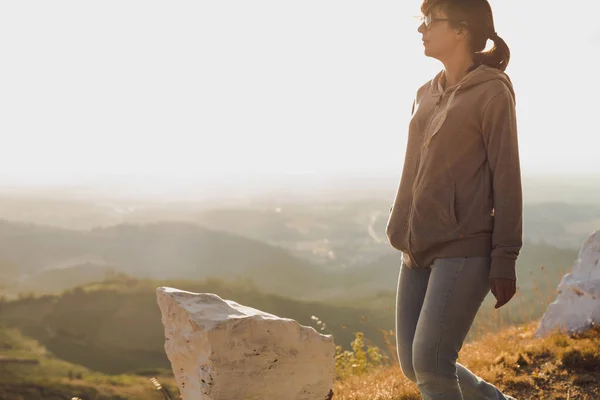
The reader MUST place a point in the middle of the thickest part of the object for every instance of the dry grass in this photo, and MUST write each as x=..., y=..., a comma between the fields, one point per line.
x=382, y=384
x=559, y=367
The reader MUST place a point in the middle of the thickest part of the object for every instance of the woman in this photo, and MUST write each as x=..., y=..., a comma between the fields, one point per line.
x=457, y=216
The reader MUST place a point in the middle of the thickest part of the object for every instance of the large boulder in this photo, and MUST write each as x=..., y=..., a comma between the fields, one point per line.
x=222, y=350
x=577, y=305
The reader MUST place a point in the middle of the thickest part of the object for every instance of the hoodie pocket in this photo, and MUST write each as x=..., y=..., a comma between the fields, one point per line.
x=434, y=218
x=397, y=226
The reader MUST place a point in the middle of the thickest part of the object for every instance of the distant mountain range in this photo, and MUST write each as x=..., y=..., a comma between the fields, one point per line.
x=168, y=250
x=44, y=259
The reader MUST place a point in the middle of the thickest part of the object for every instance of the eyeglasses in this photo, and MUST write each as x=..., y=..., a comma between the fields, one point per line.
x=428, y=20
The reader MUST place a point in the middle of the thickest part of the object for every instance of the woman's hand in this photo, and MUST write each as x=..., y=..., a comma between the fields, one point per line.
x=503, y=290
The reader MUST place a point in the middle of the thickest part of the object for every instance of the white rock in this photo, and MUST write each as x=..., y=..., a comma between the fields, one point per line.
x=222, y=350
x=577, y=305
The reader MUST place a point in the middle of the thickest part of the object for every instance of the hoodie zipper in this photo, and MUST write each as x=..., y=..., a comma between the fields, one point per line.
x=440, y=123
x=412, y=200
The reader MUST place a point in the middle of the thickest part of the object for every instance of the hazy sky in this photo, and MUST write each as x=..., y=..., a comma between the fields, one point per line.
x=226, y=88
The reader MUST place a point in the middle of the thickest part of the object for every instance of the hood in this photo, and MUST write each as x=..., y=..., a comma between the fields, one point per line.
x=479, y=75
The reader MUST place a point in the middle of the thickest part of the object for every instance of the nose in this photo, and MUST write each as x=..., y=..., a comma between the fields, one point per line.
x=421, y=28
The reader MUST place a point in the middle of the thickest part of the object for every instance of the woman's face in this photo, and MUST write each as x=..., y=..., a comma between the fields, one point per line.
x=439, y=38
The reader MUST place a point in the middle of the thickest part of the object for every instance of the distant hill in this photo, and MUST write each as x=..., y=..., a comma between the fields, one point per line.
x=338, y=233
x=538, y=265
x=46, y=259
x=55, y=280
x=167, y=250
x=560, y=224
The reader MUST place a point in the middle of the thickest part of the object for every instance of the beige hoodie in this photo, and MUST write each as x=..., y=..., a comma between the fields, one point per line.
x=460, y=191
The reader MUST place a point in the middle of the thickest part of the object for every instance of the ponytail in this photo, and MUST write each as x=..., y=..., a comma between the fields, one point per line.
x=498, y=57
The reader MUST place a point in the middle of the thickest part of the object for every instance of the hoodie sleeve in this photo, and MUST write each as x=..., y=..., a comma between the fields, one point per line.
x=500, y=137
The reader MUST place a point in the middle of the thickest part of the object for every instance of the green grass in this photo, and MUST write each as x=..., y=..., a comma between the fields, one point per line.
x=118, y=329
x=51, y=378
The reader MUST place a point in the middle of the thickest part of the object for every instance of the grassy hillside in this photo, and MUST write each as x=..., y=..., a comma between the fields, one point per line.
x=115, y=326
x=558, y=367
x=28, y=371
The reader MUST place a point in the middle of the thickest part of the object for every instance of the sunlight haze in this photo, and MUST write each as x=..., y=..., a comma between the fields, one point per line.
x=221, y=90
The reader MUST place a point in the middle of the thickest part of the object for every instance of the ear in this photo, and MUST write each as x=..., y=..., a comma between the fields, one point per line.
x=463, y=30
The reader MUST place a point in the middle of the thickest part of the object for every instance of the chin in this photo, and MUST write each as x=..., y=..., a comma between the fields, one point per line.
x=430, y=53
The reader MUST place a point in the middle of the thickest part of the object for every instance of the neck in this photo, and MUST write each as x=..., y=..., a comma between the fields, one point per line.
x=456, y=68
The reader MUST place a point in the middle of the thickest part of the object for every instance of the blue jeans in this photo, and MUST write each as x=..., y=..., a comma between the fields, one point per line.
x=435, y=309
